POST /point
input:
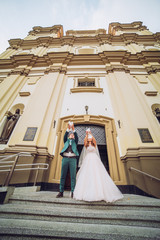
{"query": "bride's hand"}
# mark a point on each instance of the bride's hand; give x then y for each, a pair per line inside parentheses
(73, 127)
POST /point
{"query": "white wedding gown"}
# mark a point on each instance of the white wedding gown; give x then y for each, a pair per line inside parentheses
(93, 183)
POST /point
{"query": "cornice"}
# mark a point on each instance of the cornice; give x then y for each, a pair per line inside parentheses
(141, 152)
(67, 58)
(58, 29)
(87, 32)
(152, 69)
(98, 39)
(116, 26)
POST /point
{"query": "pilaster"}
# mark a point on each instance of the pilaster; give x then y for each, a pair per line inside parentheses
(10, 87)
(130, 110)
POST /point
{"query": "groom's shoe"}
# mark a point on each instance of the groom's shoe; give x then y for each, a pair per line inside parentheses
(59, 195)
(71, 194)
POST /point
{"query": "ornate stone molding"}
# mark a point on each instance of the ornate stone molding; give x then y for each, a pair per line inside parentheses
(119, 68)
(152, 69)
(24, 72)
(141, 152)
(57, 29)
(86, 89)
(102, 58)
(36, 150)
(60, 69)
(100, 38)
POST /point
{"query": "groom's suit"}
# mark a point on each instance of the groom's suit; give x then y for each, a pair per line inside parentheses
(69, 154)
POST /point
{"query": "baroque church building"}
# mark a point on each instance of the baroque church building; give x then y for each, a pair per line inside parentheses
(108, 81)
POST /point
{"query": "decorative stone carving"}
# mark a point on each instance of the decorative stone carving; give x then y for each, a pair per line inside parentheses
(19, 72)
(9, 126)
(60, 69)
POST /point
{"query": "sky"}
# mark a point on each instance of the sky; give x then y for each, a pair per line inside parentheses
(18, 17)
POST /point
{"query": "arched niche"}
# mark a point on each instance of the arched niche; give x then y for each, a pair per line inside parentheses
(156, 111)
(19, 106)
(9, 122)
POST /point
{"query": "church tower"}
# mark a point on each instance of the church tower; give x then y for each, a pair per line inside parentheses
(108, 81)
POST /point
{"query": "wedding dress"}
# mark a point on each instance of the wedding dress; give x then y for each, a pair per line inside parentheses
(93, 183)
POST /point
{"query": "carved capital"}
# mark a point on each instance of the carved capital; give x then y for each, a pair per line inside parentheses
(60, 69)
(153, 69)
(113, 68)
(20, 72)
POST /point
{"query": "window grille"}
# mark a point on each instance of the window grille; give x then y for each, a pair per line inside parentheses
(86, 82)
(97, 131)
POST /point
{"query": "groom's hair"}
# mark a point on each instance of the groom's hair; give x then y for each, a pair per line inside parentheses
(70, 132)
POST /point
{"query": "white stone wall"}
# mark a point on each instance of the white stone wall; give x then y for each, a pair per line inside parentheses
(98, 103)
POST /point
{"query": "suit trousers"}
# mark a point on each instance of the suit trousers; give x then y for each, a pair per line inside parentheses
(70, 163)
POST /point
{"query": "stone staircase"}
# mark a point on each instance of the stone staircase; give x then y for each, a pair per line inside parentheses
(40, 215)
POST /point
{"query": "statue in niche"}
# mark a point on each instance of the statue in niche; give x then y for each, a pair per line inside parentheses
(9, 126)
(157, 113)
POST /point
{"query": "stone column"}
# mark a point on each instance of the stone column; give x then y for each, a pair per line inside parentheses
(41, 112)
(130, 109)
(10, 87)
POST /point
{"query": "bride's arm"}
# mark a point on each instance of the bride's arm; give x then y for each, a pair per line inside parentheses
(85, 141)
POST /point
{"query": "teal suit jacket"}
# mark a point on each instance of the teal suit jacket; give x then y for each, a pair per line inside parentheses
(74, 143)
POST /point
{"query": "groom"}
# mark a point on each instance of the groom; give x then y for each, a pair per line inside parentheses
(69, 154)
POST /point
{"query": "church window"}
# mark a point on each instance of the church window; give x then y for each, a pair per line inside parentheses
(86, 82)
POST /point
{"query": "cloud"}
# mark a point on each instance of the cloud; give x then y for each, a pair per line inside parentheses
(17, 17)
(125, 11)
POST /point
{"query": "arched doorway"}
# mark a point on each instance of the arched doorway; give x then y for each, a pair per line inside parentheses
(99, 134)
(109, 152)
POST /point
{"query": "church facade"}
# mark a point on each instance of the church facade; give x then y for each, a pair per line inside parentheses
(108, 81)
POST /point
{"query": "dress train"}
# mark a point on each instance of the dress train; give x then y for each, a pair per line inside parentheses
(93, 183)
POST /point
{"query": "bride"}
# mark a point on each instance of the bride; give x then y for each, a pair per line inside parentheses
(93, 183)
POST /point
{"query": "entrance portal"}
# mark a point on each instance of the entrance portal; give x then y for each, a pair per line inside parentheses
(99, 134)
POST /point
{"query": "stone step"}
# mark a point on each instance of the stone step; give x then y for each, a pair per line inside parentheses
(35, 229)
(90, 215)
(130, 202)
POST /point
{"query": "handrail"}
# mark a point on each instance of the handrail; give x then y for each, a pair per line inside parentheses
(14, 155)
(146, 174)
(14, 167)
(26, 164)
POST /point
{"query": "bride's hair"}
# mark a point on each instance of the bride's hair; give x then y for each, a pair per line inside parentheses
(86, 142)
